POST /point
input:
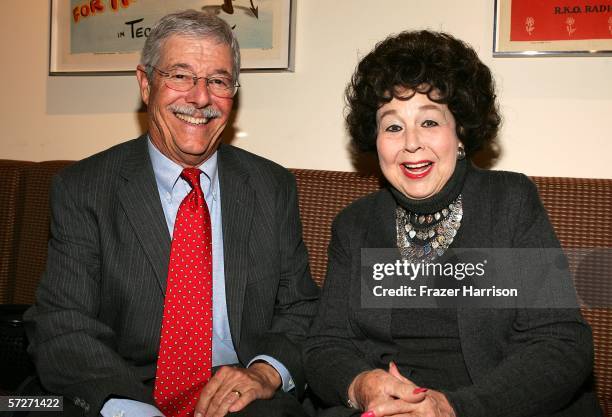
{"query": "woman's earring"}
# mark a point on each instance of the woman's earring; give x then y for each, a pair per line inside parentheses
(460, 153)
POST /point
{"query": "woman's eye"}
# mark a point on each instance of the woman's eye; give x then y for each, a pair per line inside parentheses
(429, 123)
(393, 128)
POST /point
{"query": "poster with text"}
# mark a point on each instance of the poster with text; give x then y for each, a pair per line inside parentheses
(108, 35)
(554, 27)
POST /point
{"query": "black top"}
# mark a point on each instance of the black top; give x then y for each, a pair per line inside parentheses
(429, 348)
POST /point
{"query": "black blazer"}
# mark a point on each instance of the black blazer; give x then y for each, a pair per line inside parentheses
(95, 327)
(527, 362)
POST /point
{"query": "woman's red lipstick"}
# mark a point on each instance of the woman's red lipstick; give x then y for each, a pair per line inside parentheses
(417, 169)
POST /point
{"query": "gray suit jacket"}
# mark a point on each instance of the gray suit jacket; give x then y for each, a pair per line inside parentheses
(522, 362)
(95, 327)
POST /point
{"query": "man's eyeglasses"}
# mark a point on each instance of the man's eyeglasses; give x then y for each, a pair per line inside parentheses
(183, 80)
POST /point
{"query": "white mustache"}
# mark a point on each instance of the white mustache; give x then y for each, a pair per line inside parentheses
(209, 112)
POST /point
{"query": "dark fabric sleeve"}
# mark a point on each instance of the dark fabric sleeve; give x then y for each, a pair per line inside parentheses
(72, 350)
(332, 361)
(549, 353)
(297, 294)
(548, 358)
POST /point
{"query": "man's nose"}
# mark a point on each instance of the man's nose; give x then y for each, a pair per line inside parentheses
(199, 95)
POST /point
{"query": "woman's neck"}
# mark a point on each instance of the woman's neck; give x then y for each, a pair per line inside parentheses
(440, 200)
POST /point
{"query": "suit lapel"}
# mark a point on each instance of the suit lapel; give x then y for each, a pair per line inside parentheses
(380, 233)
(237, 201)
(140, 200)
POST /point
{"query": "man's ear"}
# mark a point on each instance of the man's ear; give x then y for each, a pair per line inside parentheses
(143, 83)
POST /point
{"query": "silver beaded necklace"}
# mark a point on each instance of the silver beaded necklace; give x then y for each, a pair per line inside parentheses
(425, 237)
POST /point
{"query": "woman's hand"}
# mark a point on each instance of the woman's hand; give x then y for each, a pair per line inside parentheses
(435, 404)
(383, 392)
(399, 398)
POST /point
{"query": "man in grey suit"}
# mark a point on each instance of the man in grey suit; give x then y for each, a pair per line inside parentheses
(95, 327)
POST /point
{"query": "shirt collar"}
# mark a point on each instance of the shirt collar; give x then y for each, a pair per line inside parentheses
(168, 172)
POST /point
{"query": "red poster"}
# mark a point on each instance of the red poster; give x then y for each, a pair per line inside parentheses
(560, 20)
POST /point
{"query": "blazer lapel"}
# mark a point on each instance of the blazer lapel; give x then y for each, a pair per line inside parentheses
(381, 222)
(380, 233)
(140, 200)
(237, 200)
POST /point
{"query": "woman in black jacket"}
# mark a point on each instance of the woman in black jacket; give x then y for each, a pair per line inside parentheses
(425, 103)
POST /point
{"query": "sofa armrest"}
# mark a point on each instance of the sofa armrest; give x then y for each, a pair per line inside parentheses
(14, 360)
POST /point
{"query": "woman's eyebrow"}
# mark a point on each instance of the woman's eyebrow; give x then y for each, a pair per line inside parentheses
(387, 112)
(431, 107)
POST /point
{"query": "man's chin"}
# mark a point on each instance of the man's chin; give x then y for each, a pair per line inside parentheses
(198, 153)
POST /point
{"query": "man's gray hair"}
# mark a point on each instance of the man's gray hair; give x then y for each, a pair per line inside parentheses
(190, 24)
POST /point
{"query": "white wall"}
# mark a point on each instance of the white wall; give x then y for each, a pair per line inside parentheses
(557, 111)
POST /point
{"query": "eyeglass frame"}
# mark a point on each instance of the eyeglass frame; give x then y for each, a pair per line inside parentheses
(195, 79)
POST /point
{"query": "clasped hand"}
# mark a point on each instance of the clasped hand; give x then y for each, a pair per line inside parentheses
(389, 394)
(231, 389)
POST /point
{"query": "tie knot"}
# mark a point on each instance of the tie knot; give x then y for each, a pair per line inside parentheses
(192, 176)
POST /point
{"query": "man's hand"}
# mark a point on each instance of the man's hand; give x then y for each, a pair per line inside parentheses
(231, 389)
(385, 393)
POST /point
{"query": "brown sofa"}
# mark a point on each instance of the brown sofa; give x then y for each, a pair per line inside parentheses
(579, 210)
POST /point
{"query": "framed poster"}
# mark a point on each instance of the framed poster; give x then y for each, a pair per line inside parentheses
(106, 36)
(552, 27)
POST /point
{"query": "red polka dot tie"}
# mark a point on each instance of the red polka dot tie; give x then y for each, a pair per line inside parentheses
(185, 351)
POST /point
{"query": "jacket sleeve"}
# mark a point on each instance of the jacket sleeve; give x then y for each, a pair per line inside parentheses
(296, 295)
(331, 359)
(73, 351)
(549, 351)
